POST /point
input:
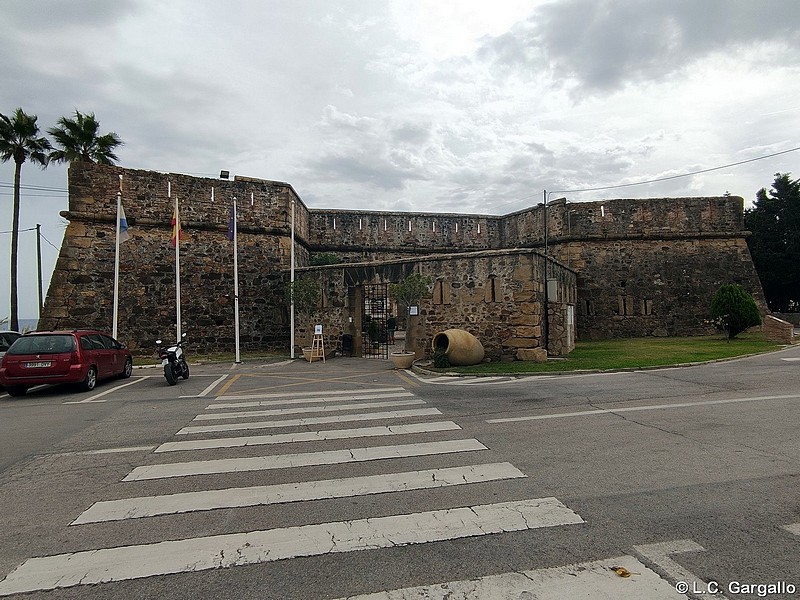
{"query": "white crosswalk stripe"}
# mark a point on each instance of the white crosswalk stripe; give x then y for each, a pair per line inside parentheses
(286, 461)
(126, 562)
(794, 528)
(324, 394)
(316, 399)
(463, 380)
(245, 414)
(210, 552)
(379, 416)
(307, 436)
(133, 508)
(596, 580)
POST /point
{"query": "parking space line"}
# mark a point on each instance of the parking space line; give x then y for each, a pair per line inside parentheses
(209, 388)
(228, 385)
(106, 392)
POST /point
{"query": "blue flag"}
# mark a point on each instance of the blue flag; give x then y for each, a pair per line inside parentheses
(124, 236)
(231, 225)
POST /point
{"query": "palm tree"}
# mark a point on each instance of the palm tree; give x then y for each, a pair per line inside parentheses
(78, 140)
(20, 141)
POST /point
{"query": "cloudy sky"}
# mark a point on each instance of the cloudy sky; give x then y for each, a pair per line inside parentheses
(430, 105)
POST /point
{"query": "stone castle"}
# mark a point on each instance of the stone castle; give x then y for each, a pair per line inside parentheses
(536, 278)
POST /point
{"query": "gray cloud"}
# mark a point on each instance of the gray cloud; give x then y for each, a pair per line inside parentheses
(604, 44)
(36, 15)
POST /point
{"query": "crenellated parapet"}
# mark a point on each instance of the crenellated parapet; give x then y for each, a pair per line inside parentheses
(644, 266)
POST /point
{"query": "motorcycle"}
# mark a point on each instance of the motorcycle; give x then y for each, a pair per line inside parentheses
(173, 360)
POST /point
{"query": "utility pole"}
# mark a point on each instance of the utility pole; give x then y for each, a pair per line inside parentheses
(39, 259)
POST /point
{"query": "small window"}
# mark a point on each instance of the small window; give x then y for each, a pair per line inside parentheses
(647, 307)
(441, 292)
(492, 291)
(625, 305)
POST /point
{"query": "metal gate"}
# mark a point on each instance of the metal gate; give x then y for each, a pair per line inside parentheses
(373, 321)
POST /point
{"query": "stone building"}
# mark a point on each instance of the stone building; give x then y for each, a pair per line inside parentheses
(616, 268)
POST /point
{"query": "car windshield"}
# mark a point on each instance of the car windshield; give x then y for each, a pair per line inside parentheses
(43, 344)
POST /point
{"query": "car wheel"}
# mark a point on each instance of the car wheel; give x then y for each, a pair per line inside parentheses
(128, 369)
(87, 385)
(16, 390)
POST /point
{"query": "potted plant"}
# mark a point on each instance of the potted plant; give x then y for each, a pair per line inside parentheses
(305, 293)
(408, 293)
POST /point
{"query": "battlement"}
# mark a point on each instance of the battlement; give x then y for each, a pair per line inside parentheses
(644, 266)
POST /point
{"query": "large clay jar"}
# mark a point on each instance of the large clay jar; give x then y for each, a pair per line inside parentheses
(461, 347)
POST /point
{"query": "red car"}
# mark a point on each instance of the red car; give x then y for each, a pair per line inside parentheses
(81, 356)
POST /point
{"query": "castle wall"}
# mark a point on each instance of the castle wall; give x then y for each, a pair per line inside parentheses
(357, 236)
(498, 296)
(81, 290)
(645, 267)
(663, 287)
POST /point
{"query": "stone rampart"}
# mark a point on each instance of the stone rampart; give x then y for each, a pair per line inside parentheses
(81, 290)
(498, 296)
(645, 267)
(779, 330)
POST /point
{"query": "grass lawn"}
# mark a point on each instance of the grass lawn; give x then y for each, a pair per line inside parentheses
(634, 353)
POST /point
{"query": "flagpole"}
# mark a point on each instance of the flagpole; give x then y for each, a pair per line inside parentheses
(291, 279)
(116, 263)
(236, 280)
(177, 271)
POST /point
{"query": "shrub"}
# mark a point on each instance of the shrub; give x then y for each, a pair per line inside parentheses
(440, 360)
(324, 258)
(733, 310)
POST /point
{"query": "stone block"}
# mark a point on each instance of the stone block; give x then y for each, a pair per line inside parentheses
(538, 355)
(517, 342)
(528, 332)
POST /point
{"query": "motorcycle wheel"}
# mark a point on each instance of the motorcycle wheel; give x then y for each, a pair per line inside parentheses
(185, 367)
(169, 375)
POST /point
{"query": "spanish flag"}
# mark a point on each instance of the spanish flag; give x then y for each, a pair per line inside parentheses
(177, 232)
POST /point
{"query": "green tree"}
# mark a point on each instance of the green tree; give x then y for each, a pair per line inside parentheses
(305, 293)
(79, 140)
(733, 310)
(410, 291)
(20, 141)
(324, 258)
(774, 244)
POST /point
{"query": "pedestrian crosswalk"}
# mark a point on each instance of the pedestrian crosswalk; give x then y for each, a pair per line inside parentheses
(196, 456)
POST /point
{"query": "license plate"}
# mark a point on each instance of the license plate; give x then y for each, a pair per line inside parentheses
(164, 361)
(36, 365)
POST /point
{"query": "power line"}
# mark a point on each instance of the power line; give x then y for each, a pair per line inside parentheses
(38, 188)
(49, 242)
(623, 185)
(40, 234)
(28, 229)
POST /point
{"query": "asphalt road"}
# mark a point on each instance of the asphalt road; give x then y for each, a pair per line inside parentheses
(687, 475)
